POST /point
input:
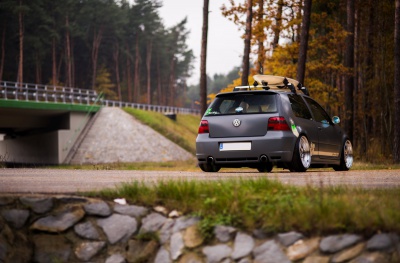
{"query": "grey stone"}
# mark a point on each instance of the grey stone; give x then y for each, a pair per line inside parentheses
(98, 209)
(86, 250)
(86, 230)
(302, 248)
(260, 234)
(193, 237)
(38, 205)
(163, 256)
(115, 258)
(216, 253)
(374, 257)
(191, 257)
(118, 227)
(61, 221)
(51, 248)
(184, 222)
(6, 200)
(152, 223)
(289, 238)
(131, 210)
(16, 217)
(382, 242)
(224, 233)
(141, 251)
(243, 246)
(348, 254)
(269, 252)
(333, 244)
(3, 250)
(177, 245)
(245, 260)
(166, 231)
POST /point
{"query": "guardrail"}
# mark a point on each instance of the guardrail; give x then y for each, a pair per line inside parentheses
(57, 94)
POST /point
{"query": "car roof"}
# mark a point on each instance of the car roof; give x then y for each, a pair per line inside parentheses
(274, 83)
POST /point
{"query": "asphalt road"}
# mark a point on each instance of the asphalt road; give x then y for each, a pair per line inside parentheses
(55, 181)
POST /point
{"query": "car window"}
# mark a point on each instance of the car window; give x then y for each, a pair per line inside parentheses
(299, 107)
(247, 103)
(319, 113)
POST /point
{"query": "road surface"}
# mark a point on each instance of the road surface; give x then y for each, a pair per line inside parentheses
(71, 181)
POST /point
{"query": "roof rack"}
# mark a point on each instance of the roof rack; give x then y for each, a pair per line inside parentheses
(277, 83)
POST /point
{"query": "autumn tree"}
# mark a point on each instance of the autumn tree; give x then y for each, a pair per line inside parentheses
(203, 59)
(305, 27)
(247, 42)
(396, 141)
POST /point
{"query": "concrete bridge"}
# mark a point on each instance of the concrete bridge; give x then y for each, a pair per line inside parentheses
(42, 124)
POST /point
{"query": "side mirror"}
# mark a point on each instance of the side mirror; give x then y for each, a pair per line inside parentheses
(336, 120)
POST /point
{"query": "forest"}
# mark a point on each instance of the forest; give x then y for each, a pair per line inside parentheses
(124, 50)
(114, 47)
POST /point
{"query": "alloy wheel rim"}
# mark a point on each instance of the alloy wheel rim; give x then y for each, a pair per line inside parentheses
(304, 150)
(348, 154)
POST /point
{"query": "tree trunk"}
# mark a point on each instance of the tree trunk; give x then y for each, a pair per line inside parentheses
(172, 82)
(260, 38)
(278, 24)
(3, 51)
(148, 67)
(128, 73)
(38, 69)
(247, 44)
(349, 63)
(95, 53)
(21, 45)
(136, 82)
(301, 66)
(54, 62)
(203, 60)
(117, 79)
(68, 50)
(396, 143)
(159, 90)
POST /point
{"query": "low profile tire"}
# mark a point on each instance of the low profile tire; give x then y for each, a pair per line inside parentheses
(346, 157)
(209, 168)
(301, 160)
(265, 168)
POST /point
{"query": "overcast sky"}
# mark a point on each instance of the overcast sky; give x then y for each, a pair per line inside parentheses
(225, 44)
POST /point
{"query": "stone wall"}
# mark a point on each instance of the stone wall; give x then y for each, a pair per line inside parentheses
(78, 229)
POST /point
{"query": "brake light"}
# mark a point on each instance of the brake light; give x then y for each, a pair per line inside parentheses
(278, 124)
(203, 128)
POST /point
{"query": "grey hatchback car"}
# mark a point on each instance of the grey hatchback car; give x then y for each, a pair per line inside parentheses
(271, 123)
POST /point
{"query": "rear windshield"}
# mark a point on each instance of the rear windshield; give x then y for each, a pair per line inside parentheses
(242, 104)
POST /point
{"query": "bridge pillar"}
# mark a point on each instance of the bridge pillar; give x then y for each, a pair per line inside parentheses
(44, 147)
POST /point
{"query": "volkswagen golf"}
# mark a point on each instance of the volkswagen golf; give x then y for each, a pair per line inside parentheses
(274, 122)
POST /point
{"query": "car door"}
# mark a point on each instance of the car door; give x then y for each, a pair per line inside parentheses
(304, 121)
(329, 135)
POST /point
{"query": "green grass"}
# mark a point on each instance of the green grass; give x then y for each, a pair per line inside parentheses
(183, 131)
(271, 206)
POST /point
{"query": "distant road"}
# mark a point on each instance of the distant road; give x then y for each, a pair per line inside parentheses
(55, 181)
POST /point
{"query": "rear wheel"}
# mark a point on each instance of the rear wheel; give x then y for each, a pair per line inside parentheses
(209, 168)
(346, 157)
(265, 167)
(301, 160)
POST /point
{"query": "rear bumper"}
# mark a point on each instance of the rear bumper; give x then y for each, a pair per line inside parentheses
(277, 146)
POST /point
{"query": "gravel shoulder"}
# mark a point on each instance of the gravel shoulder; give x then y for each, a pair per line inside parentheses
(116, 136)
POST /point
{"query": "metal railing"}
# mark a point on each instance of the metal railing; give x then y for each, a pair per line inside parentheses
(57, 94)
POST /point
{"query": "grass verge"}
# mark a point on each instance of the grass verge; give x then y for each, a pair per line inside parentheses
(271, 206)
(183, 131)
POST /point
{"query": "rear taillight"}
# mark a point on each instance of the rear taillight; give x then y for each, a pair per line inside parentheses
(203, 128)
(278, 124)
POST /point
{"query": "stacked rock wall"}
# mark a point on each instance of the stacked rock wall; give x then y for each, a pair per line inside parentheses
(79, 229)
